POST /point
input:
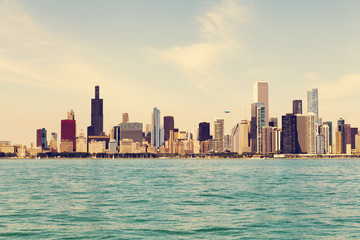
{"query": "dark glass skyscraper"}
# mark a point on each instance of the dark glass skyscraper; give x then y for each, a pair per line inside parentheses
(97, 116)
(168, 126)
(297, 107)
(289, 135)
(41, 138)
(204, 131)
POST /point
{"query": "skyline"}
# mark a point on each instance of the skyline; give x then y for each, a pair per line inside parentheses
(50, 61)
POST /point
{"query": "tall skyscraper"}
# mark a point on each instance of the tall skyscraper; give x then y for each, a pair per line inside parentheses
(125, 118)
(219, 134)
(289, 138)
(325, 131)
(329, 123)
(168, 126)
(340, 137)
(257, 124)
(312, 101)
(97, 117)
(261, 95)
(297, 107)
(41, 138)
(68, 129)
(273, 122)
(155, 134)
(204, 131)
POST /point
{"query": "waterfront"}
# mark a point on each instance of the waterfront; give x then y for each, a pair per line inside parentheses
(179, 199)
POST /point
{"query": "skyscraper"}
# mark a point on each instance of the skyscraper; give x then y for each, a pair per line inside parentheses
(289, 138)
(219, 134)
(261, 95)
(297, 107)
(41, 138)
(204, 131)
(68, 129)
(168, 126)
(155, 134)
(125, 118)
(97, 117)
(312, 101)
(257, 124)
(329, 123)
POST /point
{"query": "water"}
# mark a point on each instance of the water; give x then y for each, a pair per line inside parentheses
(180, 199)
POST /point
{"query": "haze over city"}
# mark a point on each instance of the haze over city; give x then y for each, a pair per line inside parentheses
(192, 60)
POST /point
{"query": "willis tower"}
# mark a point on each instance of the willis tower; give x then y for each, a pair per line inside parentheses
(97, 117)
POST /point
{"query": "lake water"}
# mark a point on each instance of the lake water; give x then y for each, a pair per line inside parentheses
(180, 199)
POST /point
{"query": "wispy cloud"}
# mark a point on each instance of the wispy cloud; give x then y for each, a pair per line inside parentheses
(218, 37)
(345, 87)
(34, 55)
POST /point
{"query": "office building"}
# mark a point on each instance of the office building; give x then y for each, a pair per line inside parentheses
(219, 134)
(354, 131)
(125, 118)
(297, 107)
(41, 138)
(329, 123)
(261, 95)
(257, 124)
(155, 134)
(133, 131)
(204, 131)
(289, 138)
(97, 118)
(325, 131)
(168, 126)
(273, 122)
(312, 101)
(320, 144)
(68, 129)
(81, 143)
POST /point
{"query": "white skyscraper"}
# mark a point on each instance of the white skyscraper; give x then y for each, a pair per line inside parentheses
(261, 95)
(312, 102)
(219, 134)
(155, 133)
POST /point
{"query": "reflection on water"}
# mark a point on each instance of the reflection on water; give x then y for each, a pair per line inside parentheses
(171, 199)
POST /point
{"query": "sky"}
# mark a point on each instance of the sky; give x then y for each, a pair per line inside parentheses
(191, 59)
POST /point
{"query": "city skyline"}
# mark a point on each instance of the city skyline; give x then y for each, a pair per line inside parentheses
(53, 51)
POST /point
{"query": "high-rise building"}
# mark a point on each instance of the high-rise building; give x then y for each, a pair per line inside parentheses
(257, 124)
(354, 131)
(54, 135)
(320, 144)
(329, 123)
(261, 95)
(341, 137)
(348, 139)
(312, 101)
(219, 134)
(325, 131)
(81, 143)
(168, 126)
(227, 142)
(289, 138)
(97, 118)
(273, 122)
(302, 132)
(297, 107)
(204, 131)
(155, 134)
(125, 118)
(41, 138)
(68, 129)
(133, 131)
(311, 133)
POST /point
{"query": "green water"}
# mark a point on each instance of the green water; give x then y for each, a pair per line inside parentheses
(180, 199)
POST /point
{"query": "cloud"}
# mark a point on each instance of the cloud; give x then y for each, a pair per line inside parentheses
(345, 87)
(34, 55)
(218, 37)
